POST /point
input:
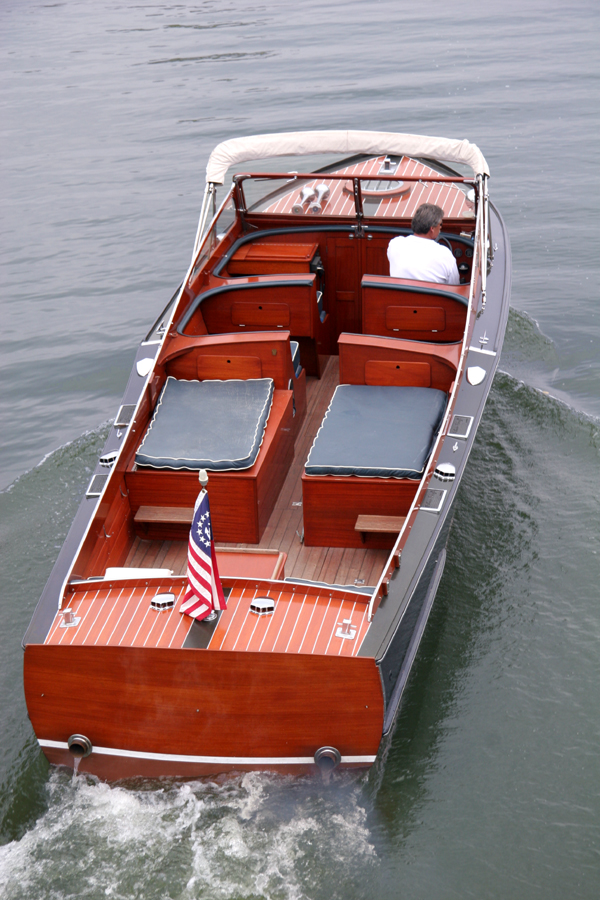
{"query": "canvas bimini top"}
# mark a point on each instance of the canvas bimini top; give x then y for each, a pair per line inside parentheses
(304, 143)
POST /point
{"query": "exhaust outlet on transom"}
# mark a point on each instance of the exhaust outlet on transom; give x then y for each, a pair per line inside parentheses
(79, 746)
(327, 759)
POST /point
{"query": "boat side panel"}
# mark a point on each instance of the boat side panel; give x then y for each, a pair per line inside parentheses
(204, 703)
(395, 653)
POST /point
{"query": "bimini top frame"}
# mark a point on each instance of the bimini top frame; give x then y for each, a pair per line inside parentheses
(344, 143)
(375, 143)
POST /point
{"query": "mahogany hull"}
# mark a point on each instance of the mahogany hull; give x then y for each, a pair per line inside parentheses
(196, 712)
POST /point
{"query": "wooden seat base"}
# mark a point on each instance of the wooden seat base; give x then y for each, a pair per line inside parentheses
(241, 502)
(333, 504)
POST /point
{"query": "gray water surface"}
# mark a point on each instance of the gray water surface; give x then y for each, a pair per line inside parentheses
(489, 785)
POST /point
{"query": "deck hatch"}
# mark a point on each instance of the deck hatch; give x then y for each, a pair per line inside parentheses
(461, 427)
(433, 500)
(96, 485)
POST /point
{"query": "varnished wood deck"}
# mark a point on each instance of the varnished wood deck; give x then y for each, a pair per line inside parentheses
(334, 565)
(121, 616)
(341, 202)
(306, 619)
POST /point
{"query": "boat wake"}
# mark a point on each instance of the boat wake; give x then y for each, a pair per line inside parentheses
(250, 836)
(532, 358)
(78, 457)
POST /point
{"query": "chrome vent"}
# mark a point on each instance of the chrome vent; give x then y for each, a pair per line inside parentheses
(445, 472)
(262, 606)
(163, 601)
(389, 166)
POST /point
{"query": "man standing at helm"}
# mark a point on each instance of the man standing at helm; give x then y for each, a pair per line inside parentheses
(419, 256)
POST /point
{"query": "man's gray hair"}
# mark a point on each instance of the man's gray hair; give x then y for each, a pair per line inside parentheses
(427, 216)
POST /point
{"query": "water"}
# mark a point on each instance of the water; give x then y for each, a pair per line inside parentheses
(489, 785)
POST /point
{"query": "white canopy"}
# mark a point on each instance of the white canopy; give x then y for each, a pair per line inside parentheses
(302, 143)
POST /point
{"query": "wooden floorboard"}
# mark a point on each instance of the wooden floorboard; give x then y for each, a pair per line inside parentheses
(333, 565)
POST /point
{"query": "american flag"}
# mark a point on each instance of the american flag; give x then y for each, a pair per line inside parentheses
(204, 592)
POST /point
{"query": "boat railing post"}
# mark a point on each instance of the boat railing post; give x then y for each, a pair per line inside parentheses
(485, 243)
(488, 219)
(209, 194)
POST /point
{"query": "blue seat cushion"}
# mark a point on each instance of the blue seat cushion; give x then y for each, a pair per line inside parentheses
(215, 425)
(377, 431)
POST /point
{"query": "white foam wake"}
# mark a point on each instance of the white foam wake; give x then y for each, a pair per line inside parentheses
(251, 836)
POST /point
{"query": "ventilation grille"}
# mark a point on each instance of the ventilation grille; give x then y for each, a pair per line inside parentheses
(461, 426)
(96, 486)
(433, 500)
(124, 415)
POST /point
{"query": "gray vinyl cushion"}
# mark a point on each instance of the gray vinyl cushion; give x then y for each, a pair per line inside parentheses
(377, 431)
(215, 425)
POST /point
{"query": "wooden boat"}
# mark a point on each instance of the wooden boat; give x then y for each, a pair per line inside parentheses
(331, 538)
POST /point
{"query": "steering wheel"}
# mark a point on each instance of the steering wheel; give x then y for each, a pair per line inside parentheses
(446, 242)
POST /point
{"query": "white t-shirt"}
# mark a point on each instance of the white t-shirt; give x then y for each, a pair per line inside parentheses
(422, 259)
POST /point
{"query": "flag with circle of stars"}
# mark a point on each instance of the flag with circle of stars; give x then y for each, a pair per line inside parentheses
(204, 591)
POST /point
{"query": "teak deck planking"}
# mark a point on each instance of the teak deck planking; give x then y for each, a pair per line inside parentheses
(341, 202)
(306, 619)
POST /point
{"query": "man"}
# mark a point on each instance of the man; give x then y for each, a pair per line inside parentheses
(419, 255)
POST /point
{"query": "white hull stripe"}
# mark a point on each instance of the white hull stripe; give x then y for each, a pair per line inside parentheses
(218, 760)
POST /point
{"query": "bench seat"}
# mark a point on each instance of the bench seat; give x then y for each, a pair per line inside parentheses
(241, 502)
(414, 310)
(378, 431)
(378, 440)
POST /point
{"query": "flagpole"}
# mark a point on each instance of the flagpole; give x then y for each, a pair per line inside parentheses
(204, 597)
(203, 479)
